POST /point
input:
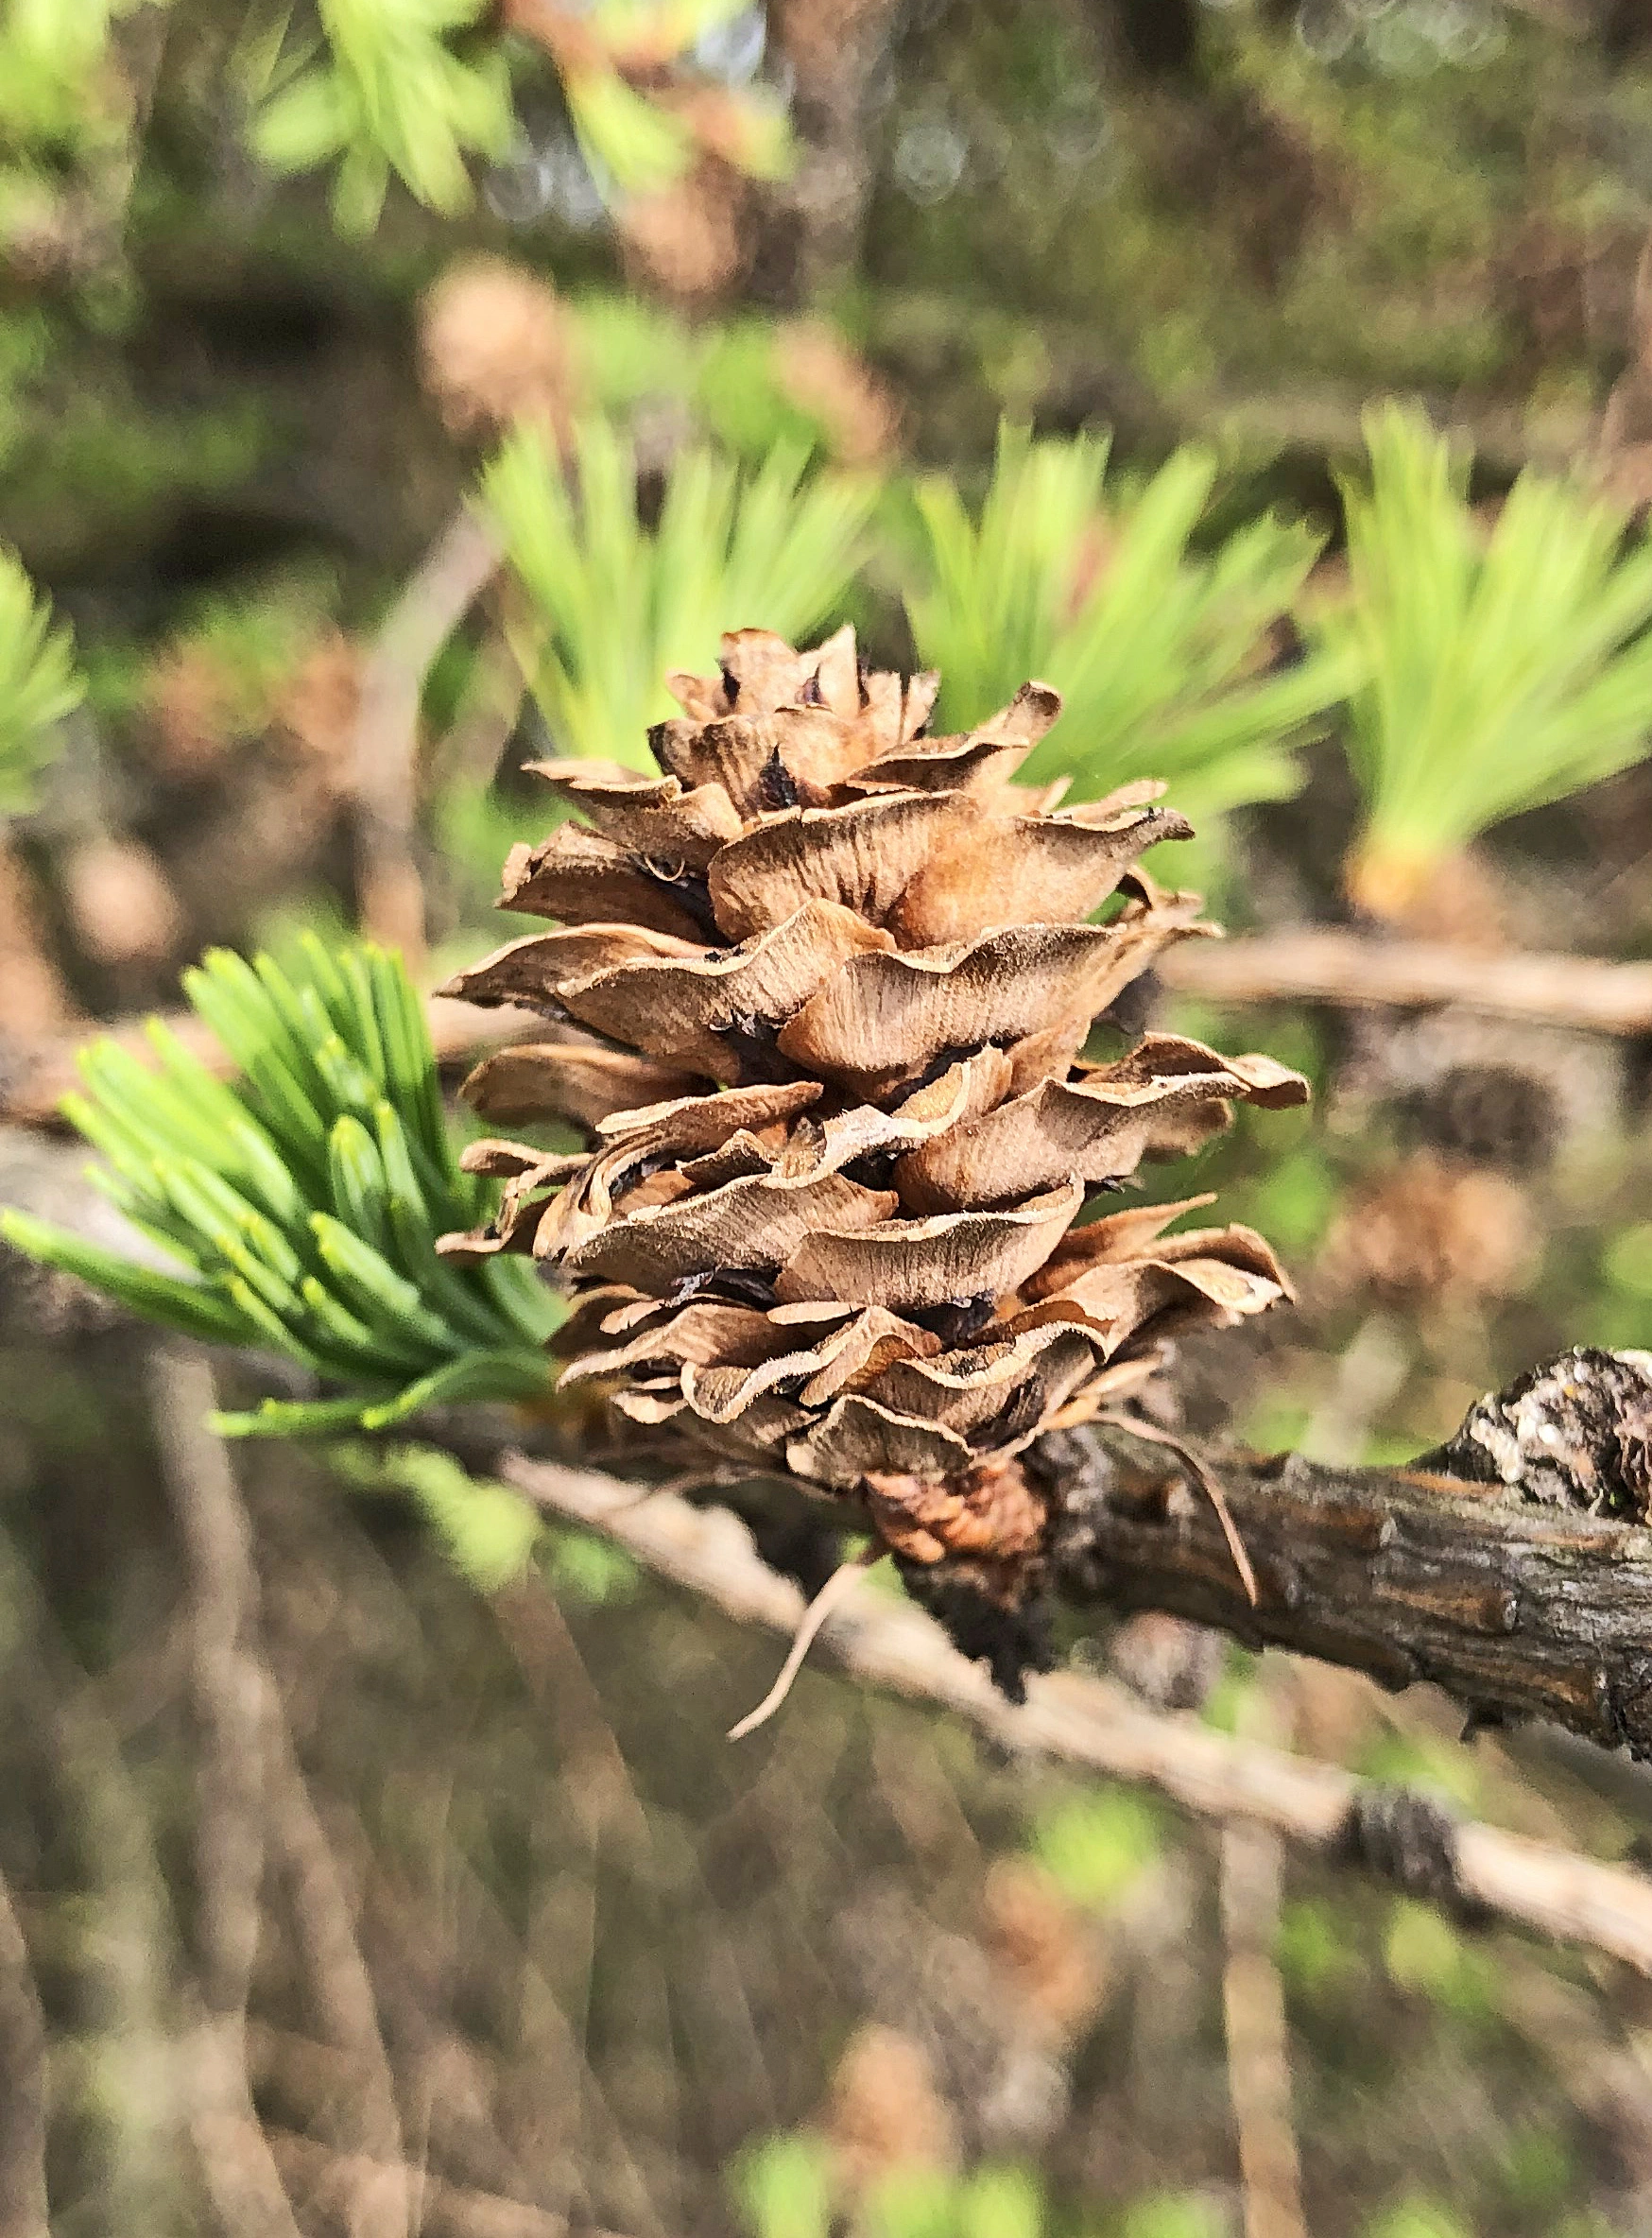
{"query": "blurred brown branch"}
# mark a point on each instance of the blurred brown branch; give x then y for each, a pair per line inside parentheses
(234, 1702)
(1314, 963)
(442, 590)
(1094, 1724)
(1310, 963)
(39, 1073)
(325, 2178)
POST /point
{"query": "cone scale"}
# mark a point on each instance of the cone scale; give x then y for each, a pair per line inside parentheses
(818, 994)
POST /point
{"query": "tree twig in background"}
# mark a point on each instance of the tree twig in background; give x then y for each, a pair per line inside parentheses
(391, 894)
(39, 1073)
(1253, 2007)
(1093, 1724)
(23, 2086)
(1259, 2044)
(1309, 964)
(1324, 964)
(328, 2178)
(233, 1702)
(341, 1990)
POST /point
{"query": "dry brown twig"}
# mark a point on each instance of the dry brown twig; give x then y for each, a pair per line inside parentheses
(329, 2178)
(340, 1988)
(452, 577)
(1325, 964)
(233, 1702)
(1253, 2007)
(1308, 964)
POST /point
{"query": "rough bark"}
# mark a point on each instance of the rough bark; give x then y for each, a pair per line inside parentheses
(1516, 1609)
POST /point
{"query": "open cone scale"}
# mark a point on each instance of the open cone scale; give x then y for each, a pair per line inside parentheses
(818, 995)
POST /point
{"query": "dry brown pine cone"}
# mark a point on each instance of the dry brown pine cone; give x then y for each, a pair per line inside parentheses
(820, 991)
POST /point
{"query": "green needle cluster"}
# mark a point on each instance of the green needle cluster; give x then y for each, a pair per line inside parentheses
(1503, 664)
(301, 1201)
(1162, 652)
(38, 685)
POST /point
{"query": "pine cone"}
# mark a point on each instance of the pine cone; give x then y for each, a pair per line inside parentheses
(833, 977)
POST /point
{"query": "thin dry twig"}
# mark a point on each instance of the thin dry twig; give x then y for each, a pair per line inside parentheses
(1091, 1723)
(385, 752)
(339, 1984)
(114, 2071)
(815, 1615)
(332, 2179)
(1209, 1483)
(1323, 964)
(233, 1697)
(1259, 2041)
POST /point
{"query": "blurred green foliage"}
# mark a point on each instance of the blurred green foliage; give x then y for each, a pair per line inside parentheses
(726, 375)
(1425, 1953)
(1418, 2218)
(1161, 653)
(38, 685)
(488, 1532)
(419, 91)
(380, 92)
(783, 2186)
(1096, 1845)
(1171, 2214)
(1501, 665)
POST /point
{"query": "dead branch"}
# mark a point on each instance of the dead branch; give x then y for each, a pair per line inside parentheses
(330, 2180)
(1517, 1610)
(1253, 2007)
(1094, 1724)
(234, 1701)
(40, 1072)
(385, 747)
(340, 1988)
(1309, 964)
(1324, 964)
(1254, 2017)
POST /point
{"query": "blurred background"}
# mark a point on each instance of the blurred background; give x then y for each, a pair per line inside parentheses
(389, 392)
